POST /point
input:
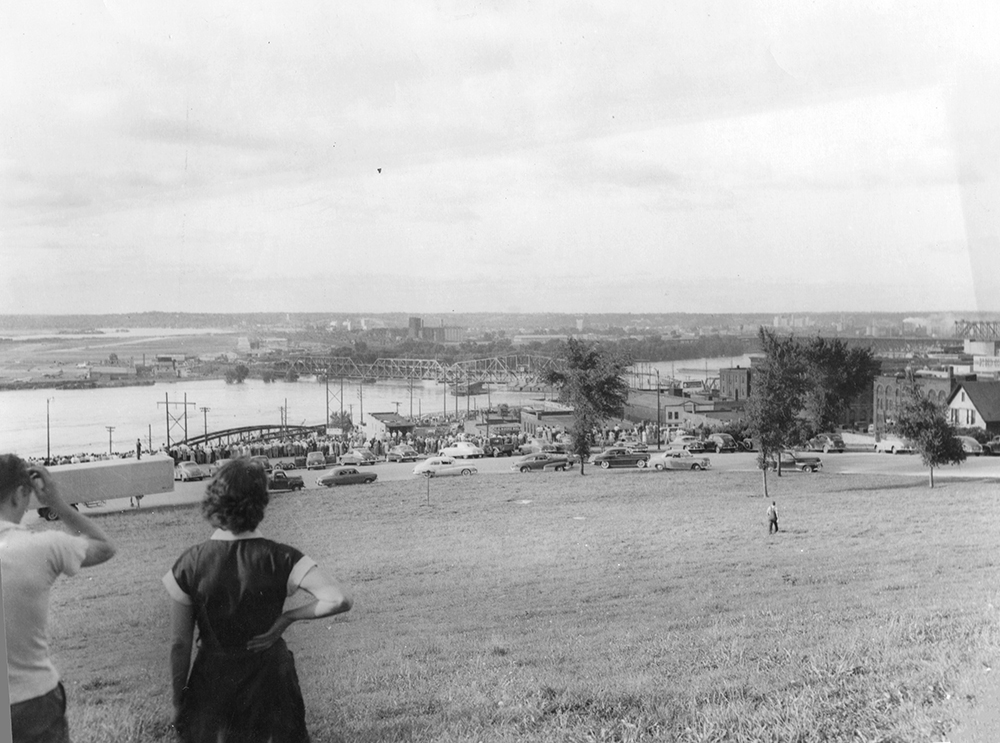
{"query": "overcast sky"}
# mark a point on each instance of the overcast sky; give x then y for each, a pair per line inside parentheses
(473, 156)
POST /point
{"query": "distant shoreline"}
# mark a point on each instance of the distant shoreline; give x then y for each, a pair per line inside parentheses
(76, 384)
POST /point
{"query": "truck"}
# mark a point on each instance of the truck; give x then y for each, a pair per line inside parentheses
(281, 480)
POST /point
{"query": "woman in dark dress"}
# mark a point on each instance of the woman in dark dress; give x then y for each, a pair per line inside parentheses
(242, 687)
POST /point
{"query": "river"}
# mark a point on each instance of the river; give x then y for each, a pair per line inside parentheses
(78, 420)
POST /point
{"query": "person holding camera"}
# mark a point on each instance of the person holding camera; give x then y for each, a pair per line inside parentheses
(31, 562)
(243, 685)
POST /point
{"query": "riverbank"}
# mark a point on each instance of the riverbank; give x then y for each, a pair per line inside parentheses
(74, 384)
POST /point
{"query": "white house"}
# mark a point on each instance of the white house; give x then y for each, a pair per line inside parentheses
(975, 405)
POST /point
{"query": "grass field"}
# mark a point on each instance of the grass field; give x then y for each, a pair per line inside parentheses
(620, 606)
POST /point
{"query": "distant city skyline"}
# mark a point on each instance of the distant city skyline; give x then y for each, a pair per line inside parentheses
(570, 157)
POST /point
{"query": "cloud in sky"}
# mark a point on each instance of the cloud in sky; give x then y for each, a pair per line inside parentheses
(213, 156)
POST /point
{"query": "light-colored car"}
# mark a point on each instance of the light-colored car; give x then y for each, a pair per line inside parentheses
(893, 445)
(679, 459)
(345, 476)
(443, 466)
(462, 450)
(970, 445)
(692, 443)
(185, 471)
(827, 442)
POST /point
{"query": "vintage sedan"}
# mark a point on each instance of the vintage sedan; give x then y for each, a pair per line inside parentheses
(679, 459)
(619, 456)
(462, 450)
(358, 457)
(315, 460)
(692, 443)
(185, 471)
(970, 445)
(723, 442)
(827, 442)
(893, 445)
(544, 460)
(345, 476)
(792, 461)
(402, 453)
(443, 466)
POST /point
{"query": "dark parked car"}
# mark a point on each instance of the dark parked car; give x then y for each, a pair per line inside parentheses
(345, 476)
(498, 446)
(544, 460)
(402, 453)
(279, 480)
(791, 461)
(723, 442)
(619, 456)
(315, 460)
(358, 456)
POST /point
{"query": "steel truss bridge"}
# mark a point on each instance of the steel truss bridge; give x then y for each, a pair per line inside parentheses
(514, 370)
(259, 433)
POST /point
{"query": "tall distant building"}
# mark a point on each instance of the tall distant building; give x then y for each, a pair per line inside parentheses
(415, 328)
(579, 325)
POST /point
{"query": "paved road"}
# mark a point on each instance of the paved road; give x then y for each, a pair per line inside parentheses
(856, 462)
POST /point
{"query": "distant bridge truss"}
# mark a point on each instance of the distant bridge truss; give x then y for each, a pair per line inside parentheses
(977, 330)
(515, 369)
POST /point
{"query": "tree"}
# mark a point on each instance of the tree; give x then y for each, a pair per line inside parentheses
(237, 374)
(593, 384)
(836, 375)
(776, 395)
(922, 422)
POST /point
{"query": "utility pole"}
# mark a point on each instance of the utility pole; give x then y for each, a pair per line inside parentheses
(175, 420)
(657, 410)
(110, 429)
(205, 413)
(48, 437)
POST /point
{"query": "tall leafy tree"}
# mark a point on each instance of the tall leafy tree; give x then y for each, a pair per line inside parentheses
(836, 375)
(776, 397)
(593, 383)
(923, 423)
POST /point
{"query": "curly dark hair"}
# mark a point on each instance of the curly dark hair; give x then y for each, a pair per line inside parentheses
(13, 474)
(236, 497)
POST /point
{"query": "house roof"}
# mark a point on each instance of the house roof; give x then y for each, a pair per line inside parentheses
(985, 396)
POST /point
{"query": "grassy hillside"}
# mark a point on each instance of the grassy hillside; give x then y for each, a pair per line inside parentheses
(618, 608)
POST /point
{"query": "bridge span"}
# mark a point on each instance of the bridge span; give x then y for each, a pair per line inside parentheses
(514, 369)
(267, 432)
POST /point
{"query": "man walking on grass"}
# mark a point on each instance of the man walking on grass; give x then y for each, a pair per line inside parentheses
(32, 560)
(772, 518)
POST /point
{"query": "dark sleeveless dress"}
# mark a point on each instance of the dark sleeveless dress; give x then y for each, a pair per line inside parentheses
(238, 589)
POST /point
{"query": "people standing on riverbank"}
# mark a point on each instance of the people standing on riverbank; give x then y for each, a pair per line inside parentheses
(32, 562)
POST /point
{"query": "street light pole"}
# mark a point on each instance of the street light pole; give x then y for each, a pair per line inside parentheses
(205, 413)
(110, 429)
(48, 437)
(657, 410)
